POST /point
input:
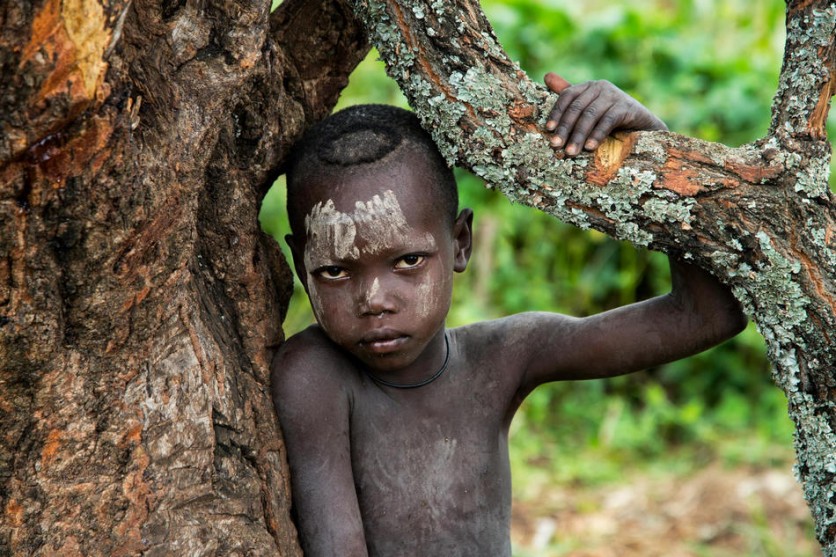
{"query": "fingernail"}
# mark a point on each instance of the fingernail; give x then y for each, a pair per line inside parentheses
(556, 141)
(591, 145)
(571, 150)
(550, 125)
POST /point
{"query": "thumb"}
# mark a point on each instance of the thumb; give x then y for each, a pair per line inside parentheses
(556, 83)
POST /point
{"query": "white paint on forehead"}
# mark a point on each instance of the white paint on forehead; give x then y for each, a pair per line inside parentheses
(382, 220)
(332, 234)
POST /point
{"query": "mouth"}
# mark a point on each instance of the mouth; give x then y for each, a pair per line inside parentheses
(383, 341)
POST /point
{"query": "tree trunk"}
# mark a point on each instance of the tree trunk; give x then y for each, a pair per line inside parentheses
(760, 217)
(139, 302)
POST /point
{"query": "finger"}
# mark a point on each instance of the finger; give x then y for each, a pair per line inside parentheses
(595, 123)
(579, 111)
(604, 127)
(608, 123)
(567, 97)
(556, 83)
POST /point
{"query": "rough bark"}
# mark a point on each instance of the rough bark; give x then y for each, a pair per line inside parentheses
(760, 217)
(139, 302)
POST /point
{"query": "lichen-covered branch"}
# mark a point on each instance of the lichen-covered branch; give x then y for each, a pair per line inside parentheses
(808, 77)
(760, 216)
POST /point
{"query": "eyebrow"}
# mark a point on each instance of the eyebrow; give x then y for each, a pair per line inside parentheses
(423, 243)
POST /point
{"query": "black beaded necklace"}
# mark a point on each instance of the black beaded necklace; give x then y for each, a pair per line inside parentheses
(427, 381)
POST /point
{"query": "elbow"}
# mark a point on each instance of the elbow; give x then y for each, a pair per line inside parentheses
(716, 325)
(738, 322)
(736, 318)
(731, 322)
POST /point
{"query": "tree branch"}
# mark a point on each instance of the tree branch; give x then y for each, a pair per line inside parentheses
(808, 76)
(486, 115)
(759, 216)
(321, 56)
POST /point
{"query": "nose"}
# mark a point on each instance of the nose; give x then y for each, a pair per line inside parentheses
(375, 299)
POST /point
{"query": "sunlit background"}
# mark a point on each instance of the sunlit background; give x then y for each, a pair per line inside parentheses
(691, 458)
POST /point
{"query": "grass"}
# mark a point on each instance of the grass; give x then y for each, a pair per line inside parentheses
(690, 501)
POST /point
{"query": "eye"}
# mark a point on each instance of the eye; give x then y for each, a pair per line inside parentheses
(409, 261)
(331, 272)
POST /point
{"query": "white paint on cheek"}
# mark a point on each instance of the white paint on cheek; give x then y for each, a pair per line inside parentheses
(427, 297)
(327, 317)
(330, 234)
(316, 302)
(433, 292)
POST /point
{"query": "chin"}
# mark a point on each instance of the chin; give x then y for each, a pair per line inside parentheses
(386, 363)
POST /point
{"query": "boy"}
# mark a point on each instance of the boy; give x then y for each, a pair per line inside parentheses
(396, 428)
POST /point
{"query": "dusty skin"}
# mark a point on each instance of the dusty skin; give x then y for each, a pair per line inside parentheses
(425, 471)
(389, 471)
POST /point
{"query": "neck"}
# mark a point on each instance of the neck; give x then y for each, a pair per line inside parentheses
(429, 379)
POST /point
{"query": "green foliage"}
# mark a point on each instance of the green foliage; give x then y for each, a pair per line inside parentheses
(709, 69)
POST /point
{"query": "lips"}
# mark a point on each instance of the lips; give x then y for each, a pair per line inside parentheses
(383, 341)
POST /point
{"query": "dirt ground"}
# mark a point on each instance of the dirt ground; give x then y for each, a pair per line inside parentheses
(715, 512)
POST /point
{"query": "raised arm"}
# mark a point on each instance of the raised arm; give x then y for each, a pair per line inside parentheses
(698, 313)
(313, 408)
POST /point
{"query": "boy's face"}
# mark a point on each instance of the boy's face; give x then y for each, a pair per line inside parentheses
(377, 261)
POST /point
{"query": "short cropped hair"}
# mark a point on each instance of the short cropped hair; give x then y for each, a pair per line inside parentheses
(365, 135)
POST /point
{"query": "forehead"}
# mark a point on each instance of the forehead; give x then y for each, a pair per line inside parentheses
(397, 190)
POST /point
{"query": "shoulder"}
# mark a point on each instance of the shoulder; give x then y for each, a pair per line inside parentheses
(511, 342)
(309, 364)
(520, 328)
(500, 354)
(308, 349)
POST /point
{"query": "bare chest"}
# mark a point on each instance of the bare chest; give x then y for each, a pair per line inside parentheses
(432, 477)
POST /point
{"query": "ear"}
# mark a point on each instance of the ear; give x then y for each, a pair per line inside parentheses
(297, 249)
(462, 240)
